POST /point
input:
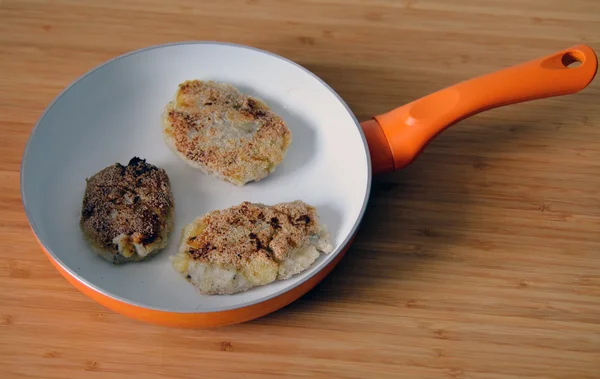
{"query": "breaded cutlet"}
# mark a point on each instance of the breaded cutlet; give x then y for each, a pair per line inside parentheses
(127, 211)
(248, 245)
(215, 128)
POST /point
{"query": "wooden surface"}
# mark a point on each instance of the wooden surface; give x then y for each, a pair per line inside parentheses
(481, 260)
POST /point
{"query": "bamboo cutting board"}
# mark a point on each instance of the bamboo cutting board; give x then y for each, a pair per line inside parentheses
(479, 261)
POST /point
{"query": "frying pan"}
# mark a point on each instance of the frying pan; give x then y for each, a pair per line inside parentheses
(112, 113)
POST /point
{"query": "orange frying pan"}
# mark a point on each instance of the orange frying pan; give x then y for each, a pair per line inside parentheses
(113, 113)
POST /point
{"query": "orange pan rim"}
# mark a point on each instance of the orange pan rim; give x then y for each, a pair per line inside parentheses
(103, 296)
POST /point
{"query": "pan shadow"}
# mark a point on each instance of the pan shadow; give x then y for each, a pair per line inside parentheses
(415, 216)
(302, 149)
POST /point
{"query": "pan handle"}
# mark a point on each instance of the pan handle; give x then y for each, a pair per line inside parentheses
(397, 137)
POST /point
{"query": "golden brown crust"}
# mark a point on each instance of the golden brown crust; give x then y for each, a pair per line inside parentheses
(214, 127)
(134, 201)
(233, 236)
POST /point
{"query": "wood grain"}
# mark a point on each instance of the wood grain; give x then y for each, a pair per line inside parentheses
(480, 261)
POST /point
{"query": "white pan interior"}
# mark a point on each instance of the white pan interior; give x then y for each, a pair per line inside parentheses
(114, 112)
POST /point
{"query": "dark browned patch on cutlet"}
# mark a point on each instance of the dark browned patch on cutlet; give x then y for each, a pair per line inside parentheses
(134, 200)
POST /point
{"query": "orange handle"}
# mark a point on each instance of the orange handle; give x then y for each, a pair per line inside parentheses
(409, 128)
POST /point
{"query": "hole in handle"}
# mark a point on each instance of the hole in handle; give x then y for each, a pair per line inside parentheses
(572, 59)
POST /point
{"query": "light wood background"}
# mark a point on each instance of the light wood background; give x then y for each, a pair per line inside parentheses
(480, 261)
